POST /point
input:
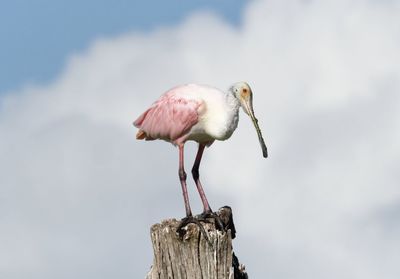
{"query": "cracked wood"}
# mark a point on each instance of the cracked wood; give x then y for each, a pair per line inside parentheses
(192, 256)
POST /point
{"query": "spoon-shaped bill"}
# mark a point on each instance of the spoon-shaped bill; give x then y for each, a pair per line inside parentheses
(246, 101)
(259, 134)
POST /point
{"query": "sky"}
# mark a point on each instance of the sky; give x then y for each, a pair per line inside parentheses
(39, 36)
(78, 193)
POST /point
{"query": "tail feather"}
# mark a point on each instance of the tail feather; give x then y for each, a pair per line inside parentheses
(140, 135)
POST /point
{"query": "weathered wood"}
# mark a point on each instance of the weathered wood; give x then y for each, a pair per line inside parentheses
(192, 256)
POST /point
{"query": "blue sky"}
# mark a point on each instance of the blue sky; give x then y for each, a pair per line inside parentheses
(37, 36)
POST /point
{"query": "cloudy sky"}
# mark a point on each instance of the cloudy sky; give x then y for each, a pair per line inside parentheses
(78, 193)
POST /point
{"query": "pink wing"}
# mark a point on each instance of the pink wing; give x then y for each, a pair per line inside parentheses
(169, 118)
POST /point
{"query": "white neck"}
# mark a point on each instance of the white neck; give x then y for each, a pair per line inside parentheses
(232, 101)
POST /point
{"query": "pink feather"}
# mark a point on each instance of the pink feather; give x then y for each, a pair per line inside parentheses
(169, 118)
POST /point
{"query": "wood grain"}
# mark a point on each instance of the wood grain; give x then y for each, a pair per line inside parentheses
(192, 256)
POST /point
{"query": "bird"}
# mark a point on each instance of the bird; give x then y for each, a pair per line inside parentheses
(199, 113)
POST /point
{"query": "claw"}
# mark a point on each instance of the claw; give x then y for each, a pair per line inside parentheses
(212, 215)
(190, 219)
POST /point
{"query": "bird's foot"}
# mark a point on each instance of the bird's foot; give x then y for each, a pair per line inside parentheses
(192, 220)
(219, 225)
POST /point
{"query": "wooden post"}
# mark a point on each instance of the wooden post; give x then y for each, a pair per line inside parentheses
(192, 256)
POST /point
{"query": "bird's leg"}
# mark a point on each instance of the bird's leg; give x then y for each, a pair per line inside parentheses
(189, 217)
(207, 212)
(196, 177)
(182, 178)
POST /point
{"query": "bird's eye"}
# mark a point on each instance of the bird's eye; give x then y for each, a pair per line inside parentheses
(245, 93)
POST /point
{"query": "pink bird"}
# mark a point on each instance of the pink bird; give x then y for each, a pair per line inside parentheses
(198, 113)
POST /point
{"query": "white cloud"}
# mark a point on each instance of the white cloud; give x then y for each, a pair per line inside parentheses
(78, 193)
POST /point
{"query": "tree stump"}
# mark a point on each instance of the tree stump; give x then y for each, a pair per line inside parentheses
(194, 255)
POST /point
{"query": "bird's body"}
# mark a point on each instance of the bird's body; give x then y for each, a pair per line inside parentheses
(198, 113)
(190, 112)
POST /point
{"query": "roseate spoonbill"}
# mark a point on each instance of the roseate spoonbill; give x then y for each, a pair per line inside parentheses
(198, 113)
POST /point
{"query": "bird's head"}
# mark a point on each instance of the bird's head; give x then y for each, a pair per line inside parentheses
(243, 93)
